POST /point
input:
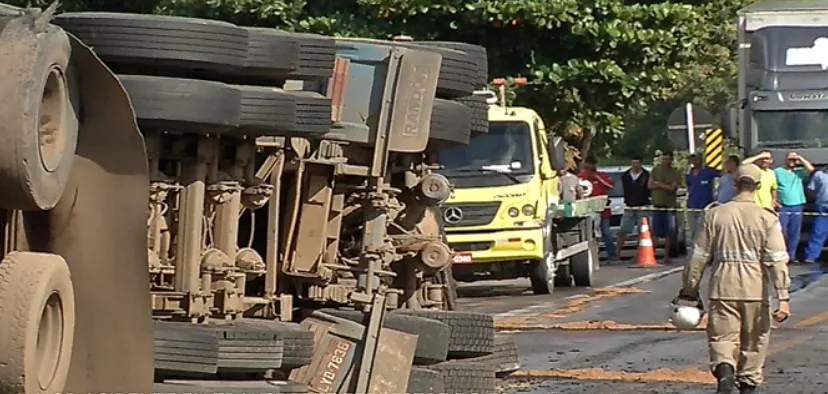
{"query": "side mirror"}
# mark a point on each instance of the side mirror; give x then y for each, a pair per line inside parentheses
(557, 153)
(729, 121)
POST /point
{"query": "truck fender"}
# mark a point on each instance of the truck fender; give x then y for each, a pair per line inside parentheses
(99, 227)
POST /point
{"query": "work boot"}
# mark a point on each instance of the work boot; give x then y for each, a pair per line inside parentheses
(745, 388)
(725, 375)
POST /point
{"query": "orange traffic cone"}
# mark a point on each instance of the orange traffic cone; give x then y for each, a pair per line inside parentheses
(646, 252)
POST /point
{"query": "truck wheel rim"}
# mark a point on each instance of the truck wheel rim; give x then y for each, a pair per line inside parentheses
(49, 340)
(549, 256)
(51, 114)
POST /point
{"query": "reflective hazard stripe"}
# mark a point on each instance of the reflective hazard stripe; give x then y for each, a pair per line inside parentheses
(646, 242)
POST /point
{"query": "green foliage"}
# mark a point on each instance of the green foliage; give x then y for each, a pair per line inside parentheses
(603, 73)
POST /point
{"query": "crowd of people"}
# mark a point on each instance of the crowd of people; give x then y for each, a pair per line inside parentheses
(654, 194)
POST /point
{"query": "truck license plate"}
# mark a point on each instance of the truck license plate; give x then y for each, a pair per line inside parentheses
(461, 258)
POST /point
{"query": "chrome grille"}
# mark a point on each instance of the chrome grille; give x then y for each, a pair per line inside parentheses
(470, 214)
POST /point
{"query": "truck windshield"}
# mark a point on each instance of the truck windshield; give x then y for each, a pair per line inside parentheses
(507, 148)
(801, 129)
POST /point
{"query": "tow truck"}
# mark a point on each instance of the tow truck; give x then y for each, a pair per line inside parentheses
(504, 218)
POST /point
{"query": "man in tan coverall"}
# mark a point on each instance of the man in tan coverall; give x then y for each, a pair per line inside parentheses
(743, 244)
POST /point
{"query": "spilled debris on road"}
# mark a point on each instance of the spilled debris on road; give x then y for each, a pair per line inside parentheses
(690, 375)
(597, 325)
(573, 306)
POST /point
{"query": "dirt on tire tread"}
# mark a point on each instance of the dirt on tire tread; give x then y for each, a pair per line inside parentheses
(472, 333)
(466, 377)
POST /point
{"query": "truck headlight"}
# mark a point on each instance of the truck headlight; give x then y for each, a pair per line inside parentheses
(513, 212)
(528, 210)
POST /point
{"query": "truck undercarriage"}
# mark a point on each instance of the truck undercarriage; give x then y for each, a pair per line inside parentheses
(286, 176)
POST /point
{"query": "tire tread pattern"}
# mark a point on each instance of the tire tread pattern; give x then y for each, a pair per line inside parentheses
(467, 377)
(472, 333)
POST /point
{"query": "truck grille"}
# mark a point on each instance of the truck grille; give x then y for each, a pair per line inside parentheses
(471, 246)
(469, 214)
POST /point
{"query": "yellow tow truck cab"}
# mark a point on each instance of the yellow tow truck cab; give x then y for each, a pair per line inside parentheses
(505, 218)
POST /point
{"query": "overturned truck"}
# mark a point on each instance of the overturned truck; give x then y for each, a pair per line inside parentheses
(288, 176)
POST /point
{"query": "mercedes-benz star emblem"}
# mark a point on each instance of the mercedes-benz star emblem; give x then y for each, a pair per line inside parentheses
(453, 215)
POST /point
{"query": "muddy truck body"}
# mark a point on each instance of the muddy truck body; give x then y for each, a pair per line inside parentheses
(286, 174)
(782, 87)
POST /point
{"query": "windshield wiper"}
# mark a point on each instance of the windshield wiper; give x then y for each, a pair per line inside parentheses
(511, 177)
(787, 144)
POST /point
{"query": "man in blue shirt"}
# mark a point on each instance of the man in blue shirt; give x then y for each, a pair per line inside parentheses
(819, 185)
(726, 190)
(699, 181)
(790, 196)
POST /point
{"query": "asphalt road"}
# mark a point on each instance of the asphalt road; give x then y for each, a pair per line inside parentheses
(608, 339)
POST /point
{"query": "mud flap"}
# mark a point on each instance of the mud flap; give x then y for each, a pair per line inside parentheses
(99, 227)
(413, 101)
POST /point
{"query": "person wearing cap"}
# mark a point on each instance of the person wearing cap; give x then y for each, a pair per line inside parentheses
(791, 180)
(744, 247)
(766, 194)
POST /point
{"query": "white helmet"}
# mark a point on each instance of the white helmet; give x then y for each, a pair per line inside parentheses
(686, 317)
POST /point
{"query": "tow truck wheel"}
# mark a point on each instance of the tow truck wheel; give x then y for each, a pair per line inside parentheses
(583, 264)
(542, 274)
(37, 322)
(563, 276)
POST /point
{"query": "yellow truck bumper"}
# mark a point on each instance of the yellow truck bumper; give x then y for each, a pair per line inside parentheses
(497, 246)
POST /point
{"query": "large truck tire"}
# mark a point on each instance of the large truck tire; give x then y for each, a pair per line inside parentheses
(479, 113)
(297, 341)
(277, 55)
(450, 123)
(583, 265)
(472, 333)
(505, 357)
(230, 387)
(178, 104)
(243, 349)
(458, 70)
(37, 322)
(159, 41)
(425, 381)
(432, 335)
(267, 111)
(467, 377)
(185, 348)
(476, 53)
(39, 132)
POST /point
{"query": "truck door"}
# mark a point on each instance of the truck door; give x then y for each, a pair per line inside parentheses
(549, 188)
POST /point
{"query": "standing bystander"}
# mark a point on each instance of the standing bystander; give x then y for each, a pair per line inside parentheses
(790, 180)
(819, 229)
(601, 183)
(700, 181)
(570, 190)
(726, 190)
(664, 183)
(766, 194)
(636, 196)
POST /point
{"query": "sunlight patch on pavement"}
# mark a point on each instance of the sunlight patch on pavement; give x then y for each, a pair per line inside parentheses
(573, 306)
(691, 375)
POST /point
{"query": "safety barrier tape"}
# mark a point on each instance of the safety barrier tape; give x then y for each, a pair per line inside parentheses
(683, 209)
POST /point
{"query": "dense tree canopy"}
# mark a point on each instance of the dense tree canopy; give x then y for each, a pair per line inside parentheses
(603, 72)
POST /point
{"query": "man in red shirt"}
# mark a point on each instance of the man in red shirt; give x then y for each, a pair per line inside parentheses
(601, 183)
